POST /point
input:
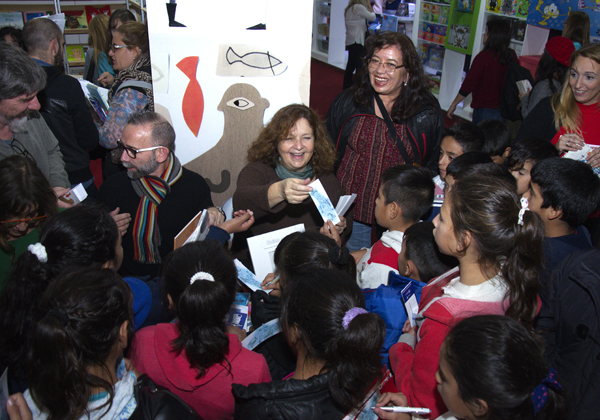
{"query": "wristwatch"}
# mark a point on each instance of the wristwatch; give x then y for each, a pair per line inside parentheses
(222, 212)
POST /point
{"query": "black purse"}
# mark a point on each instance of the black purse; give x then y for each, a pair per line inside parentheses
(158, 403)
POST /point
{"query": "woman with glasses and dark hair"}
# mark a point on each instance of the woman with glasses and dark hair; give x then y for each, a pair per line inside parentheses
(116, 19)
(389, 117)
(131, 90)
(26, 202)
(486, 76)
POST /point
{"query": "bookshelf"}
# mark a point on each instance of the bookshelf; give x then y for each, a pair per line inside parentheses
(76, 36)
(329, 32)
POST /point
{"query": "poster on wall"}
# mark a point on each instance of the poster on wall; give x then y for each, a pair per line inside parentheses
(220, 76)
(552, 14)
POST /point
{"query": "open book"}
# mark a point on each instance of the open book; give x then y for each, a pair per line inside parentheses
(97, 99)
(195, 230)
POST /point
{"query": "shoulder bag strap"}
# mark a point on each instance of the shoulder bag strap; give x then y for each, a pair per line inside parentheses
(392, 130)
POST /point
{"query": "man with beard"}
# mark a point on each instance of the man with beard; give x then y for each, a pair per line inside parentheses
(63, 104)
(161, 195)
(22, 128)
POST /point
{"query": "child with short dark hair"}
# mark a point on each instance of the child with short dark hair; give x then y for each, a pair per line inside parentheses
(405, 194)
(420, 258)
(523, 156)
(457, 140)
(563, 193)
(497, 140)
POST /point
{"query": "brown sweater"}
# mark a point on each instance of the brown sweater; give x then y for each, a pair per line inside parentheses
(252, 193)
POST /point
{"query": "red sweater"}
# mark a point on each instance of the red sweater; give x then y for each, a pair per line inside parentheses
(414, 369)
(210, 395)
(484, 80)
(590, 127)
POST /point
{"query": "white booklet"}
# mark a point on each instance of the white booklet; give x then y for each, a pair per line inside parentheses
(323, 203)
(248, 278)
(344, 203)
(262, 333)
(262, 249)
(581, 155)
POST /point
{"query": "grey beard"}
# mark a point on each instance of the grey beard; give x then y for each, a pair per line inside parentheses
(17, 125)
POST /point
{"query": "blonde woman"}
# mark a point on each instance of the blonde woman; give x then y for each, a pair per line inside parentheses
(357, 13)
(96, 60)
(577, 109)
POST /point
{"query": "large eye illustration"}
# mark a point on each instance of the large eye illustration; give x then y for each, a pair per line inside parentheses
(240, 103)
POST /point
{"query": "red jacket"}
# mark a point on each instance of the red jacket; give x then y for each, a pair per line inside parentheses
(210, 395)
(414, 369)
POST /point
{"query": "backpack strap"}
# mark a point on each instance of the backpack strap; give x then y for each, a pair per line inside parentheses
(139, 84)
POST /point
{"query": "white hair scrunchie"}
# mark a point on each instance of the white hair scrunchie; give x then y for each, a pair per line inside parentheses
(524, 208)
(39, 251)
(202, 275)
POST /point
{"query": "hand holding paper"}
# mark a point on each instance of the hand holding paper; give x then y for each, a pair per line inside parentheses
(247, 277)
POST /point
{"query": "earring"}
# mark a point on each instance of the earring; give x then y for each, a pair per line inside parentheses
(405, 82)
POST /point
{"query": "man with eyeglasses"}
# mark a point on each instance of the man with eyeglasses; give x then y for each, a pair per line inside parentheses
(161, 195)
(63, 104)
(22, 128)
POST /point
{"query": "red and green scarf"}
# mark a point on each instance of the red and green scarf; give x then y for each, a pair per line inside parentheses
(152, 189)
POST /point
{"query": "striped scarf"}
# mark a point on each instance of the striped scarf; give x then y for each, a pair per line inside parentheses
(152, 189)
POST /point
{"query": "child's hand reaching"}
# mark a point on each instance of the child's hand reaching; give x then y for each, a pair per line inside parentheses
(242, 220)
(391, 399)
(407, 329)
(241, 334)
(274, 284)
(332, 231)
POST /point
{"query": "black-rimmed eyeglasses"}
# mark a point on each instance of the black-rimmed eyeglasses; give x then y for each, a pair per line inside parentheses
(131, 152)
(18, 148)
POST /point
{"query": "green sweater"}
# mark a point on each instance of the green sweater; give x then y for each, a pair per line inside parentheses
(20, 245)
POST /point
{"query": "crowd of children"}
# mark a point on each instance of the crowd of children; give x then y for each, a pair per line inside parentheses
(486, 268)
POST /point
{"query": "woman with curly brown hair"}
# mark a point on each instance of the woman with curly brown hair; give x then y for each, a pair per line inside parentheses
(389, 117)
(293, 150)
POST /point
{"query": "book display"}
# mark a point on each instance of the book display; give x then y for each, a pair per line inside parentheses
(462, 25)
(78, 14)
(431, 37)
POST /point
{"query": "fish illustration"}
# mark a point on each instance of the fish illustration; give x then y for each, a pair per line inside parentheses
(248, 61)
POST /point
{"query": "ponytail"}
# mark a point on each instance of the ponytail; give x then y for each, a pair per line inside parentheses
(335, 332)
(81, 236)
(521, 269)
(355, 358)
(20, 296)
(201, 279)
(508, 239)
(82, 314)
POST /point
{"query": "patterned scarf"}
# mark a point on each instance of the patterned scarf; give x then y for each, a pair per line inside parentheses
(152, 190)
(139, 70)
